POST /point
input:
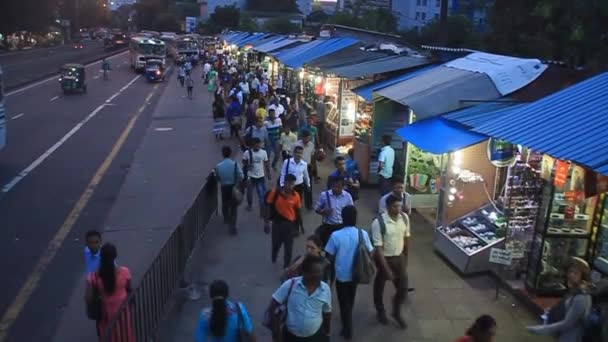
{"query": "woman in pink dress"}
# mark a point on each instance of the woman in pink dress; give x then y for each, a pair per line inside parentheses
(114, 285)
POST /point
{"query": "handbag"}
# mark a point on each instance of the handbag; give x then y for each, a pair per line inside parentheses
(237, 194)
(364, 268)
(94, 306)
(244, 335)
(280, 312)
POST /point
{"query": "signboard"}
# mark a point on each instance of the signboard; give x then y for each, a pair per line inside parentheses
(190, 26)
(561, 173)
(501, 153)
(500, 256)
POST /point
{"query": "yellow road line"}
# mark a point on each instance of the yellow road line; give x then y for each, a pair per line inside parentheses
(33, 280)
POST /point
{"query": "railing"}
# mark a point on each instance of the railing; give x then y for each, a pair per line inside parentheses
(138, 317)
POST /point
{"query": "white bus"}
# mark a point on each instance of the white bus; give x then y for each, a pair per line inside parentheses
(141, 49)
(3, 118)
(187, 49)
(170, 44)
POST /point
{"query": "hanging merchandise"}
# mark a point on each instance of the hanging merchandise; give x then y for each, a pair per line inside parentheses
(547, 167)
(561, 173)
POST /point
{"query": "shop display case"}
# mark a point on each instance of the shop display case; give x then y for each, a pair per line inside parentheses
(563, 230)
(466, 242)
(600, 253)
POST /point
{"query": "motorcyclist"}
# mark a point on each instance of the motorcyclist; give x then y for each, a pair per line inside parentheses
(105, 67)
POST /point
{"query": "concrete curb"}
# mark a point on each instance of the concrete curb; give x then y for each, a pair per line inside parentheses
(85, 61)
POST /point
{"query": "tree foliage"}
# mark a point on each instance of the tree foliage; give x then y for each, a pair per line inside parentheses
(283, 6)
(571, 31)
(280, 25)
(461, 33)
(224, 17)
(30, 15)
(374, 19)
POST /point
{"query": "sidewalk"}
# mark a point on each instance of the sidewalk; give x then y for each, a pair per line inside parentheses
(441, 308)
(168, 171)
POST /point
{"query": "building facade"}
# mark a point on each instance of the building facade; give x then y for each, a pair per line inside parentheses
(115, 4)
(414, 14)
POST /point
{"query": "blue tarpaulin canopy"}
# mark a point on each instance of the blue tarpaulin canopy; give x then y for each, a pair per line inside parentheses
(300, 55)
(438, 135)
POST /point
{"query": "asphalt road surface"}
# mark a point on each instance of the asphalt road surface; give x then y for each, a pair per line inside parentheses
(58, 149)
(23, 67)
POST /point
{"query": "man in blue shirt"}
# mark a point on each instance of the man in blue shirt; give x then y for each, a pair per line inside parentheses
(351, 181)
(341, 249)
(308, 301)
(229, 175)
(330, 206)
(91, 251)
(233, 116)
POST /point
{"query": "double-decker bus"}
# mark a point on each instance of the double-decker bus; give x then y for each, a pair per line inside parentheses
(2, 113)
(141, 49)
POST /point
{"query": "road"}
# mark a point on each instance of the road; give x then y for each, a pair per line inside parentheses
(59, 175)
(23, 67)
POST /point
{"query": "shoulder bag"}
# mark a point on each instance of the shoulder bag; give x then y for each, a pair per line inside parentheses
(280, 313)
(244, 335)
(94, 305)
(237, 194)
(364, 268)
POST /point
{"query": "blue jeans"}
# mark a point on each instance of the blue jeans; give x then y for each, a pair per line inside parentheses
(275, 150)
(260, 188)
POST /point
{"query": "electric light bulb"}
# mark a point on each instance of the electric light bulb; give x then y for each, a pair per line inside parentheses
(451, 198)
(453, 191)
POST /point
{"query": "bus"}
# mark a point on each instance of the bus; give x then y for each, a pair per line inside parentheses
(3, 118)
(187, 48)
(141, 49)
(170, 44)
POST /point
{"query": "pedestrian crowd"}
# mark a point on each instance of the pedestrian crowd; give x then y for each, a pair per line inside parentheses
(280, 136)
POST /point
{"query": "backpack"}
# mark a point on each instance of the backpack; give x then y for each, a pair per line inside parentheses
(364, 268)
(272, 212)
(383, 224)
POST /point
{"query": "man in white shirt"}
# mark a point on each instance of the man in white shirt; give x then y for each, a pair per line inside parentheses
(206, 70)
(287, 142)
(341, 249)
(255, 84)
(278, 108)
(308, 149)
(390, 236)
(256, 162)
(399, 192)
(279, 84)
(263, 88)
(299, 168)
(386, 161)
(329, 206)
(245, 89)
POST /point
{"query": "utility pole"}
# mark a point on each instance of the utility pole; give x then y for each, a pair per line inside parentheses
(443, 23)
(76, 17)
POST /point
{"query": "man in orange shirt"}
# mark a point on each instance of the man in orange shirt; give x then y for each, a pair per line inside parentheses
(283, 210)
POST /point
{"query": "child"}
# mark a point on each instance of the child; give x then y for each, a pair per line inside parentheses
(218, 117)
(91, 251)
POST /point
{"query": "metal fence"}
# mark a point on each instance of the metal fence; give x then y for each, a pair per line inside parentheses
(138, 317)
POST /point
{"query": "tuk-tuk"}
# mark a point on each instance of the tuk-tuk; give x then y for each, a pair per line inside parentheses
(73, 78)
(155, 72)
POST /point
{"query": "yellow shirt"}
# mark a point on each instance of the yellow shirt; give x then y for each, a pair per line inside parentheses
(261, 113)
(396, 232)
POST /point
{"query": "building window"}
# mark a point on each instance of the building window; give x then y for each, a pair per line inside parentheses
(417, 2)
(423, 16)
(436, 16)
(424, 2)
(417, 15)
(437, 3)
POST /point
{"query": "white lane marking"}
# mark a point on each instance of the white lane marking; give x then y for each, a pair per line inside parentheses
(17, 116)
(163, 129)
(122, 89)
(10, 185)
(95, 77)
(54, 98)
(55, 77)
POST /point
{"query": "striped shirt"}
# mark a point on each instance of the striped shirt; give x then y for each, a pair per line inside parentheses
(274, 129)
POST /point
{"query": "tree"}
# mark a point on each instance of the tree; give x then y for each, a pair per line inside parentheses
(283, 6)
(248, 24)
(570, 31)
(461, 33)
(375, 19)
(224, 17)
(30, 15)
(280, 25)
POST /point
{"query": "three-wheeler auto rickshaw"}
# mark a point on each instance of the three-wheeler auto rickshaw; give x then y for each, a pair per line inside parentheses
(72, 78)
